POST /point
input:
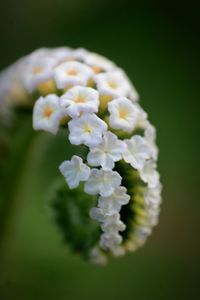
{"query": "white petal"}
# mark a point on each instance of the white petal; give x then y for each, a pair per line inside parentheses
(74, 171)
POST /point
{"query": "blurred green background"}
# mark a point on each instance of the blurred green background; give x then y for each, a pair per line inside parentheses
(158, 45)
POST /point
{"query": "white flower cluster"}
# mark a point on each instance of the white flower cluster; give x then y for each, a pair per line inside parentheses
(72, 85)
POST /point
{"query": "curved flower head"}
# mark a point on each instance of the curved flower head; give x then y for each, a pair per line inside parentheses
(74, 171)
(79, 100)
(102, 182)
(112, 84)
(137, 152)
(48, 113)
(89, 95)
(123, 114)
(107, 152)
(72, 73)
(87, 130)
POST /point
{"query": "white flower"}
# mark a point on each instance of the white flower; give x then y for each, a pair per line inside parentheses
(114, 202)
(137, 152)
(152, 196)
(72, 73)
(97, 213)
(97, 257)
(132, 93)
(150, 135)
(47, 114)
(38, 71)
(102, 182)
(113, 224)
(149, 174)
(80, 100)
(110, 240)
(123, 114)
(88, 130)
(61, 54)
(112, 83)
(107, 152)
(141, 234)
(74, 171)
(99, 62)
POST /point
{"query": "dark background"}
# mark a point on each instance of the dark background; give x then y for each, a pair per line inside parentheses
(158, 45)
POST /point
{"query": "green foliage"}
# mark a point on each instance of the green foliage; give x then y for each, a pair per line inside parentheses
(71, 210)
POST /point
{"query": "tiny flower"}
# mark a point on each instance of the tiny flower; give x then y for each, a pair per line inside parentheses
(74, 171)
(114, 202)
(153, 195)
(132, 94)
(61, 54)
(38, 71)
(123, 114)
(107, 152)
(102, 182)
(80, 100)
(137, 152)
(72, 73)
(149, 174)
(150, 135)
(97, 213)
(99, 62)
(112, 83)
(47, 114)
(110, 240)
(113, 223)
(88, 130)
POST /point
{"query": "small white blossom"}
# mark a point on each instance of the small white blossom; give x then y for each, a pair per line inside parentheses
(123, 114)
(110, 240)
(137, 152)
(149, 174)
(141, 234)
(99, 62)
(74, 171)
(61, 54)
(37, 72)
(80, 100)
(152, 196)
(97, 257)
(132, 94)
(150, 135)
(107, 152)
(97, 213)
(114, 202)
(112, 84)
(88, 130)
(72, 73)
(112, 223)
(102, 182)
(47, 114)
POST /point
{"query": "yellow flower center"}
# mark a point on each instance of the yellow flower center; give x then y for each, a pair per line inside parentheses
(72, 72)
(80, 99)
(123, 113)
(87, 128)
(47, 112)
(37, 70)
(113, 84)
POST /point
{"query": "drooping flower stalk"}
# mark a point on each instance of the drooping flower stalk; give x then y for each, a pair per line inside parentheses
(114, 186)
